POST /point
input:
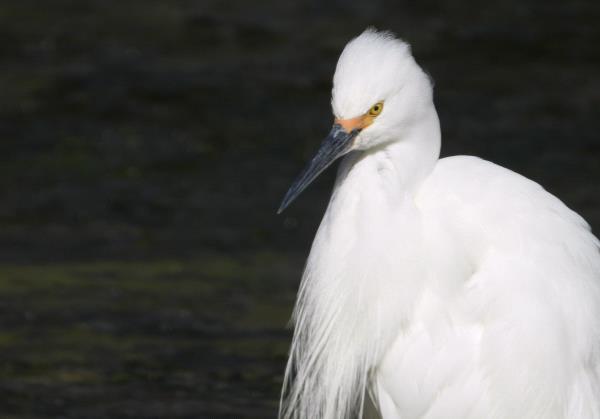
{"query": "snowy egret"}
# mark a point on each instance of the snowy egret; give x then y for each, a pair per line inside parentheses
(435, 288)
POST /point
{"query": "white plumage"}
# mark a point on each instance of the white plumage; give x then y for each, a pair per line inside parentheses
(449, 288)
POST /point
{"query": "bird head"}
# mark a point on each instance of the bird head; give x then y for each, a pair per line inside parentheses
(379, 92)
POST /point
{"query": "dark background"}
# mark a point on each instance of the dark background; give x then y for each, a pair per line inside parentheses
(146, 145)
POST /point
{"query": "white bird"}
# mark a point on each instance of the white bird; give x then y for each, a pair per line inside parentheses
(435, 288)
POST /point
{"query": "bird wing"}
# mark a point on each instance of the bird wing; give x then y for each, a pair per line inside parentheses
(509, 325)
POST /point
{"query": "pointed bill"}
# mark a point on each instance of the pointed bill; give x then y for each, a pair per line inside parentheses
(335, 145)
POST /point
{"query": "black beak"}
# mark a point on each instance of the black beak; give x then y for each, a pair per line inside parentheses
(336, 144)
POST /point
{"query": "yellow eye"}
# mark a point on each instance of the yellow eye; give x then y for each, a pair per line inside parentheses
(376, 109)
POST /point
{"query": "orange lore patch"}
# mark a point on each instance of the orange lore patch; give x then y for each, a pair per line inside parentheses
(359, 122)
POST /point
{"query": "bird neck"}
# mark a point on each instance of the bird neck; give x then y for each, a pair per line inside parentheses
(414, 155)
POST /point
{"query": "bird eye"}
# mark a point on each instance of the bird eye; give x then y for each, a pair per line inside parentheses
(376, 109)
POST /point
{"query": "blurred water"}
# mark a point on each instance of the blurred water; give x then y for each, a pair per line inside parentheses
(148, 144)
